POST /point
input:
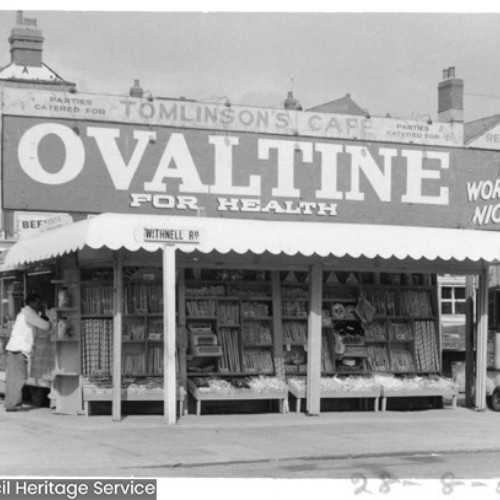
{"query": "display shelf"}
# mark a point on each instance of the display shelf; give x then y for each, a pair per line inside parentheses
(66, 384)
(99, 394)
(300, 394)
(258, 345)
(83, 316)
(57, 373)
(143, 374)
(256, 318)
(401, 309)
(240, 311)
(343, 300)
(387, 392)
(237, 395)
(253, 298)
(223, 374)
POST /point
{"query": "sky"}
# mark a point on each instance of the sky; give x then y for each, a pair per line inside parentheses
(388, 62)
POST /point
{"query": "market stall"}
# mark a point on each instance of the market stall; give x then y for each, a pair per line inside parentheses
(259, 305)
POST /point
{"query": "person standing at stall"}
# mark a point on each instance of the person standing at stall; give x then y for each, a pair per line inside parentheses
(20, 348)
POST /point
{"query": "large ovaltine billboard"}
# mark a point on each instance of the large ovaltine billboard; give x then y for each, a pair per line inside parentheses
(84, 155)
(75, 165)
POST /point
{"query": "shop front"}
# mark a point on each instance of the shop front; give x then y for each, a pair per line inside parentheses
(253, 323)
(246, 257)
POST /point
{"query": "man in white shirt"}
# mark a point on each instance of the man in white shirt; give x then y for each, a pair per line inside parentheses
(20, 348)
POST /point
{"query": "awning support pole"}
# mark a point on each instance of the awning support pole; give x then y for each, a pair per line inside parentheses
(482, 341)
(469, 341)
(117, 335)
(169, 371)
(314, 340)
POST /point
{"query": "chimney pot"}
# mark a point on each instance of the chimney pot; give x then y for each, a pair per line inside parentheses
(291, 102)
(26, 42)
(136, 90)
(450, 97)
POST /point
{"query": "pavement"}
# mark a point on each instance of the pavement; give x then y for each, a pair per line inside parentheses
(38, 442)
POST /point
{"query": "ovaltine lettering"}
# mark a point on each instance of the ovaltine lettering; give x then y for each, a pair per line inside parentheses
(211, 165)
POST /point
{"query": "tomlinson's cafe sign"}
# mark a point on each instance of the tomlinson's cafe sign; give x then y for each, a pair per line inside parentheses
(75, 152)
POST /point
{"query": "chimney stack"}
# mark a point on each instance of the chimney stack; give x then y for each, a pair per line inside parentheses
(450, 97)
(26, 42)
(136, 90)
(291, 103)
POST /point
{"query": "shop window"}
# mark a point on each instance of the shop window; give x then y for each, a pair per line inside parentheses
(453, 300)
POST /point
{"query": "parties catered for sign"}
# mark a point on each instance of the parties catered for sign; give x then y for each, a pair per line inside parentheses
(187, 114)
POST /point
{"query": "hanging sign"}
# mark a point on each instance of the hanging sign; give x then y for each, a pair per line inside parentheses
(151, 234)
(29, 223)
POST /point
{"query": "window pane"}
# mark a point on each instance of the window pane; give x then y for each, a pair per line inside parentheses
(459, 307)
(460, 292)
(446, 292)
(446, 308)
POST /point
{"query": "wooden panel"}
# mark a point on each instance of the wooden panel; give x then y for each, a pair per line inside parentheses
(66, 383)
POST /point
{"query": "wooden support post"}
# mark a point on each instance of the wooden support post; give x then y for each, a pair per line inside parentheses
(117, 335)
(169, 372)
(277, 319)
(482, 341)
(182, 349)
(314, 340)
(469, 341)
